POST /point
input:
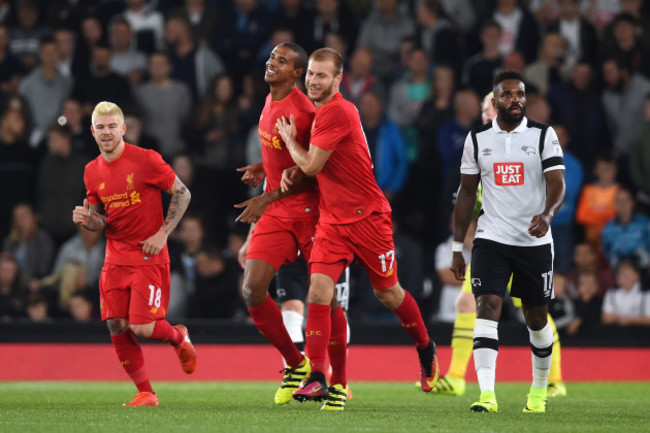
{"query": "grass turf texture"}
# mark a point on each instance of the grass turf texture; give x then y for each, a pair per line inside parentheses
(54, 407)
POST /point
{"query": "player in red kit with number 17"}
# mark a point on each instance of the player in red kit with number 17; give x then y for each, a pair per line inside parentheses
(123, 187)
(355, 220)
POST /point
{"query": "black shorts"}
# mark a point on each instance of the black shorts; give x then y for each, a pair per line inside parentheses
(292, 282)
(531, 269)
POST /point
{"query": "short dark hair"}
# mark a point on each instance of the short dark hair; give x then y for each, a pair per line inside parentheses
(507, 75)
(301, 61)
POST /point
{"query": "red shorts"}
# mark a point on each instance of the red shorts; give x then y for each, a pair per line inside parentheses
(370, 240)
(277, 240)
(137, 293)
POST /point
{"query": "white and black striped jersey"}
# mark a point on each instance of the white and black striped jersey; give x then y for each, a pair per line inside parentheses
(511, 166)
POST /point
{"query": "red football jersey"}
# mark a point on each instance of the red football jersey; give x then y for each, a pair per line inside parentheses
(349, 191)
(276, 157)
(129, 186)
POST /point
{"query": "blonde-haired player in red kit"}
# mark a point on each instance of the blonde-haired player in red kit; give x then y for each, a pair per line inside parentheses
(355, 221)
(123, 187)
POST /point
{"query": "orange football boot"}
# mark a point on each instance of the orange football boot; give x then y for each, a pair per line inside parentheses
(143, 399)
(185, 351)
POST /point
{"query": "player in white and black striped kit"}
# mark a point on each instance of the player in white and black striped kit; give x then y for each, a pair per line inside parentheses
(519, 163)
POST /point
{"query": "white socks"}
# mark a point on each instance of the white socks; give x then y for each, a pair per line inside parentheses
(541, 343)
(486, 348)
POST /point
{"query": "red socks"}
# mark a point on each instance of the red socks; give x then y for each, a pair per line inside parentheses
(409, 315)
(130, 356)
(268, 319)
(317, 336)
(164, 331)
(338, 347)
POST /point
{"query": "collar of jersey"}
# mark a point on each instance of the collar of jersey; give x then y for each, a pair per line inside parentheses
(337, 96)
(519, 129)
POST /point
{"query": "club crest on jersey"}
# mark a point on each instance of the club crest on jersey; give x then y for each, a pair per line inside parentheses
(530, 150)
(129, 181)
(508, 173)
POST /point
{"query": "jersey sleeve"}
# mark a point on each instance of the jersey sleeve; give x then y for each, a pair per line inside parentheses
(329, 130)
(91, 190)
(552, 156)
(161, 174)
(468, 163)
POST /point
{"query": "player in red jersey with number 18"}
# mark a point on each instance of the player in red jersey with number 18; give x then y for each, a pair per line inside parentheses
(123, 187)
(355, 220)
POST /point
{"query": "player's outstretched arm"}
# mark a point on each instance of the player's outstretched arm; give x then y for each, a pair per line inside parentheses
(92, 218)
(463, 213)
(255, 207)
(253, 174)
(180, 201)
(311, 162)
(555, 192)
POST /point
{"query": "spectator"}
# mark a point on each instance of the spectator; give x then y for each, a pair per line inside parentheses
(561, 308)
(217, 286)
(45, 90)
(519, 29)
(82, 140)
(11, 69)
(278, 36)
(462, 12)
(17, 166)
(450, 286)
(624, 101)
(627, 45)
(382, 31)
(588, 303)
(358, 78)
(27, 33)
(295, 16)
(55, 199)
(92, 34)
(134, 134)
(579, 34)
(627, 236)
(596, 205)
(193, 64)
(331, 16)
(564, 221)
(640, 163)
(32, 246)
(244, 32)
(601, 12)
(202, 19)
(147, 25)
(12, 288)
(551, 65)
(635, 9)
(37, 308)
(87, 249)
(67, 63)
(479, 70)
(166, 105)
(125, 60)
(585, 260)
(81, 307)
(407, 96)
(59, 286)
(437, 35)
(386, 145)
(578, 105)
(101, 84)
(217, 127)
(627, 305)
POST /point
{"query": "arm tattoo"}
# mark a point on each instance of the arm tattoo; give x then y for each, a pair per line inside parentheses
(180, 201)
(97, 219)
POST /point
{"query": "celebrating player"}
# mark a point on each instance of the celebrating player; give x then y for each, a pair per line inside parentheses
(285, 221)
(519, 163)
(355, 220)
(123, 187)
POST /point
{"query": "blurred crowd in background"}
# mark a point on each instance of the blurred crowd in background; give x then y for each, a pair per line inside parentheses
(189, 77)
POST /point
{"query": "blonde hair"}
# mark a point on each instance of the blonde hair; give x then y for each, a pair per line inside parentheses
(329, 54)
(106, 108)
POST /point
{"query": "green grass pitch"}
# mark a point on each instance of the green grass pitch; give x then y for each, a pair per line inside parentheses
(53, 407)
